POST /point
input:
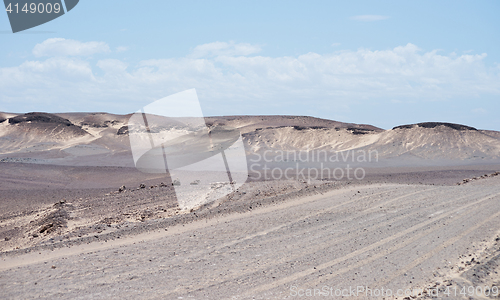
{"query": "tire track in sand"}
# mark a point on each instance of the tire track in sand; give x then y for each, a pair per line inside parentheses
(373, 246)
(211, 283)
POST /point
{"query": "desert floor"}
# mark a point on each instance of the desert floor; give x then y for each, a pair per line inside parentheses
(71, 235)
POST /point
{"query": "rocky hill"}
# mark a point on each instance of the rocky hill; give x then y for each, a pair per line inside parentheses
(103, 137)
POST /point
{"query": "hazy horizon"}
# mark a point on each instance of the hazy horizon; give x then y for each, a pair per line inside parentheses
(267, 115)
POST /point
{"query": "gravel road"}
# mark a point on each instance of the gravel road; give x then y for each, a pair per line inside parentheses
(391, 236)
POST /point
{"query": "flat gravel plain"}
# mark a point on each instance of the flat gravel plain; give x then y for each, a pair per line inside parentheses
(373, 236)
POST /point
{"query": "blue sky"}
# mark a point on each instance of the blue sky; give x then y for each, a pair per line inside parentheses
(384, 63)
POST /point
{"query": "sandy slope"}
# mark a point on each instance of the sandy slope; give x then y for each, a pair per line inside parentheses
(423, 143)
(391, 236)
(104, 140)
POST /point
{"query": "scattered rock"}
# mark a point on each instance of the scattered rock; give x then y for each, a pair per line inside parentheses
(122, 188)
(22, 160)
(46, 227)
(142, 186)
(358, 131)
(53, 221)
(176, 182)
(94, 124)
(123, 130)
(467, 180)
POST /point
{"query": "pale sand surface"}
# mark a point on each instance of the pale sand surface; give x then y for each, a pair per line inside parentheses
(375, 235)
(425, 216)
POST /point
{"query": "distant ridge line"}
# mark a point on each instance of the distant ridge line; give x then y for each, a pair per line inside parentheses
(436, 124)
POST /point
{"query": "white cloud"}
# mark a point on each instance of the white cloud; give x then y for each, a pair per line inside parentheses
(121, 49)
(224, 76)
(112, 65)
(224, 49)
(53, 72)
(369, 18)
(64, 47)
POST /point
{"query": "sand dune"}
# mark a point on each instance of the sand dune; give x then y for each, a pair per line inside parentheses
(104, 137)
(439, 142)
(411, 142)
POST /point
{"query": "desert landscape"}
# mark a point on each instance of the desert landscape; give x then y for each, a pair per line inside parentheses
(325, 206)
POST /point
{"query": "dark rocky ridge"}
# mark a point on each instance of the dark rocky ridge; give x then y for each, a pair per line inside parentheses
(39, 117)
(42, 121)
(357, 131)
(436, 124)
(98, 120)
(353, 130)
(280, 121)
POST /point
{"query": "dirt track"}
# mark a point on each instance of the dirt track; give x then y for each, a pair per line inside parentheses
(384, 235)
